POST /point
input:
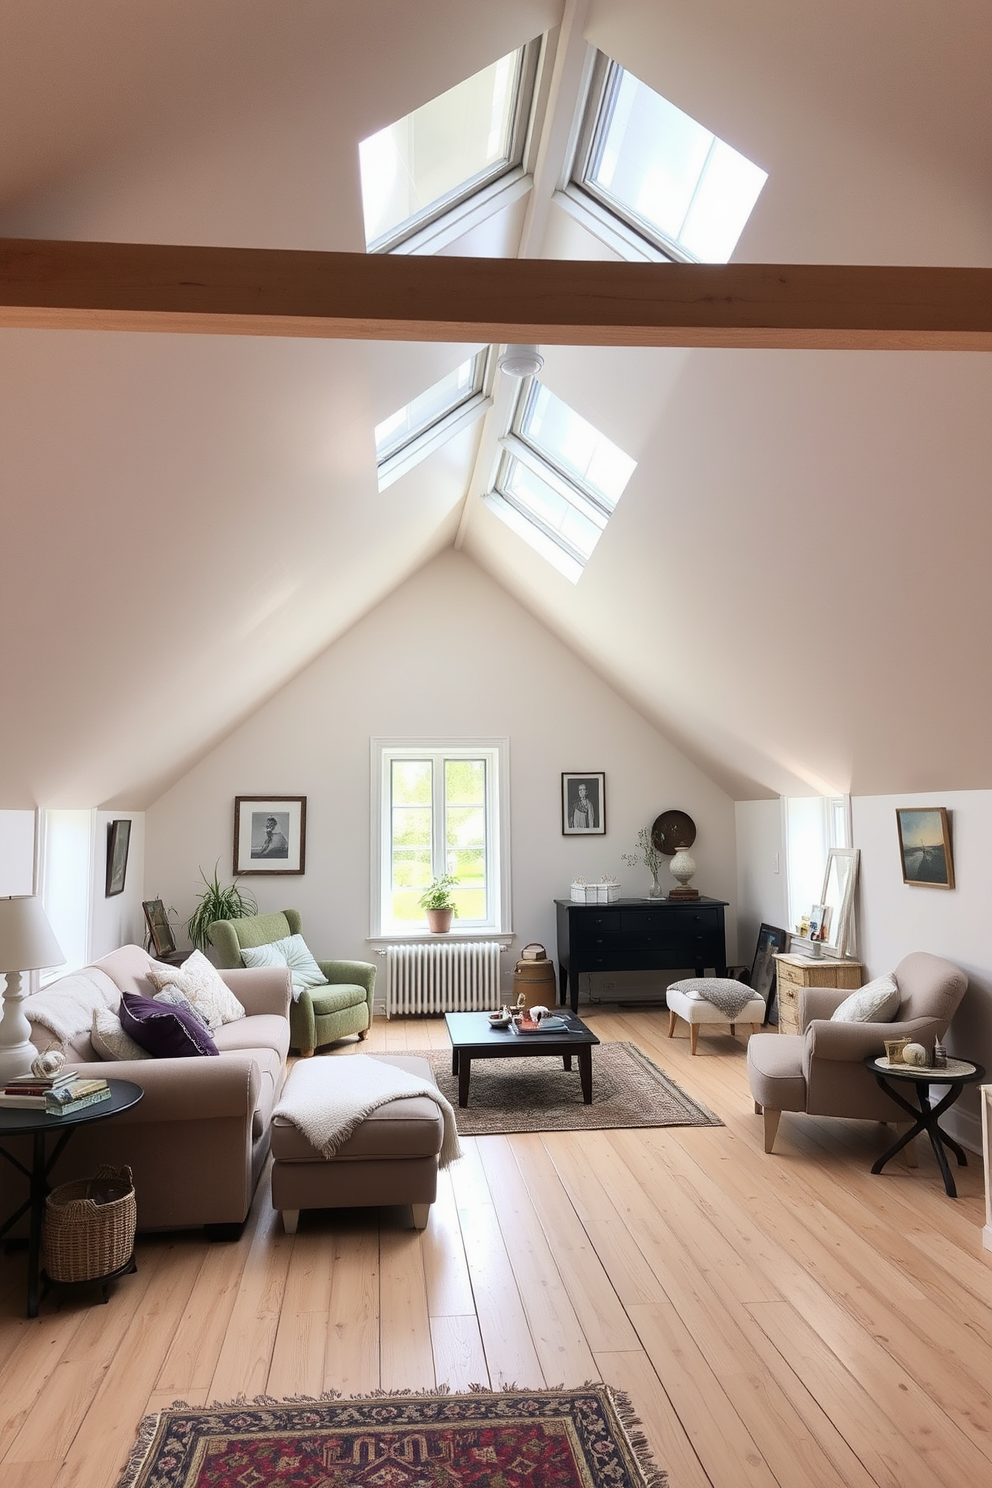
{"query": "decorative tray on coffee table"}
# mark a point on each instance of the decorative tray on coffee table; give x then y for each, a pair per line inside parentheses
(527, 1026)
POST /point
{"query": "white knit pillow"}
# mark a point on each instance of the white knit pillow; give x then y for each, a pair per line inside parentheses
(293, 952)
(203, 985)
(109, 1039)
(875, 1002)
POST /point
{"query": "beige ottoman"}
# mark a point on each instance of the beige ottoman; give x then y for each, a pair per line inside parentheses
(687, 1000)
(390, 1159)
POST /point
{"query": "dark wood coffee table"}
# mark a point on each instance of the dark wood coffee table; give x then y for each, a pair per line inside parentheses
(473, 1037)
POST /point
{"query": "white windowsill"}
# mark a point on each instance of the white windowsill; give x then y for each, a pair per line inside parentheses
(426, 937)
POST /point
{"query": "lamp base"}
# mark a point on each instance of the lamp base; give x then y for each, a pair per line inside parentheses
(16, 1049)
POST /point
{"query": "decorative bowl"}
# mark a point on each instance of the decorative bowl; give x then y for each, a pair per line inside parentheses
(500, 1020)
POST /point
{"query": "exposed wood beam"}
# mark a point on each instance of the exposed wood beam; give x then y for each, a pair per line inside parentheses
(282, 292)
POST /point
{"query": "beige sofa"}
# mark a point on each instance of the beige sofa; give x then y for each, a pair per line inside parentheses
(197, 1141)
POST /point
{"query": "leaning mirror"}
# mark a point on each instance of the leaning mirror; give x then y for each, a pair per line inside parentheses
(839, 884)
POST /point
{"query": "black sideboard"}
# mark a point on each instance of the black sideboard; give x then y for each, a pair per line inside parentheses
(639, 935)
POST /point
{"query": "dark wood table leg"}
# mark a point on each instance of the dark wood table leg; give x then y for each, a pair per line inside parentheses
(454, 1061)
(926, 1119)
(464, 1073)
(566, 1061)
(585, 1074)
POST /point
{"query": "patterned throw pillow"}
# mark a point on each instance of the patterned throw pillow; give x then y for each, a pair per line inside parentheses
(109, 1039)
(172, 997)
(203, 985)
(166, 1032)
(293, 952)
(876, 1002)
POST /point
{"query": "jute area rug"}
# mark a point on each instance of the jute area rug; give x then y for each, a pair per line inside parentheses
(586, 1438)
(537, 1094)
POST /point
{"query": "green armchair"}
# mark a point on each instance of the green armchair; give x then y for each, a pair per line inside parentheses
(321, 1014)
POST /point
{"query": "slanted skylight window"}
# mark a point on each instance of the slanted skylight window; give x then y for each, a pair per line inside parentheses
(558, 480)
(422, 166)
(668, 177)
(429, 420)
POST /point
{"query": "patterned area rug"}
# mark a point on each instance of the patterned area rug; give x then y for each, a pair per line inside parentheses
(586, 1438)
(535, 1094)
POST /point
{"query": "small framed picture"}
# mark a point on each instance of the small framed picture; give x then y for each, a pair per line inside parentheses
(583, 803)
(925, 846)
(118, 842)
(160, 934)
(819, 922)
(270, 834)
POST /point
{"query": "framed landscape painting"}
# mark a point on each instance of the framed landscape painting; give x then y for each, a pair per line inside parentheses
(118, 841)
(925, 846)
(270, 834)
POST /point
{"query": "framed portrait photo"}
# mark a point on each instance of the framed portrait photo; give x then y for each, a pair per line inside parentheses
(163, 942)
(925, 846)
(583, 803)
(118, 842)
(270, 834)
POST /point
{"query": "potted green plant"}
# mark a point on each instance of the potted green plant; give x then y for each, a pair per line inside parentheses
(217, 903)
(437, 901)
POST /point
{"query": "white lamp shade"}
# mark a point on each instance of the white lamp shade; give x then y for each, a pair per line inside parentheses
(27, 941)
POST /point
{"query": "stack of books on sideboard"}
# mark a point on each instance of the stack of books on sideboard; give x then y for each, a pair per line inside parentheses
(54, 1095)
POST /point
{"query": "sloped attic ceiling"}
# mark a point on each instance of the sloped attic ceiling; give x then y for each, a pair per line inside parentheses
(798, 561)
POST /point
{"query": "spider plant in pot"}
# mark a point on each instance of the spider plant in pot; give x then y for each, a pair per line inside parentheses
(438, 903)
(217, 903)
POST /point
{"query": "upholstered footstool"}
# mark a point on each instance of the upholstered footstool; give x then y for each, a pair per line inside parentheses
(391, 1158)
(698, 1000)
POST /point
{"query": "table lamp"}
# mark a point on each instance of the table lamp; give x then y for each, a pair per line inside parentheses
(27, 943)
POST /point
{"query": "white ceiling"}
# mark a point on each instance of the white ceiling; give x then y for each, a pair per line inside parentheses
(794, 585)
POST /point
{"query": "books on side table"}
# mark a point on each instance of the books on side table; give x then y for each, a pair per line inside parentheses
(55, 1095)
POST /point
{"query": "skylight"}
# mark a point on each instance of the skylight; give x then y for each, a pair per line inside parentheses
(427, 162)
(558, 479)
(427, 421)
(664, 174)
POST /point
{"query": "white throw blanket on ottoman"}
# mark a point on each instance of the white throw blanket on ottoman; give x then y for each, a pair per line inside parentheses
(328, 1099)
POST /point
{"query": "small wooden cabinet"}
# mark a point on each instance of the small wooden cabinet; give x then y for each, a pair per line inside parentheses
(795, 972)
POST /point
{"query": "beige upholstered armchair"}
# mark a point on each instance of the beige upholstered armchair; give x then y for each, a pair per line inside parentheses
(821, 1070)
(321, 1014)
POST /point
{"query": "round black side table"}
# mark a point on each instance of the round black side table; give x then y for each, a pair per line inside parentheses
(958, 1074)
(16, 1121)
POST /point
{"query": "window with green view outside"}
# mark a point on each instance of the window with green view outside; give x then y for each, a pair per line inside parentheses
(438, 811)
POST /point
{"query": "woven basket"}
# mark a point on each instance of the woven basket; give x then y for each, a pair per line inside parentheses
(89, 1226)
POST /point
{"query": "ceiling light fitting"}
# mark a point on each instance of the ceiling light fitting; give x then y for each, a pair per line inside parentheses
(521, 361)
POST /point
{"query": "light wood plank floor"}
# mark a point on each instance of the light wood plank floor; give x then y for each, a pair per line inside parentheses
(782, 1322)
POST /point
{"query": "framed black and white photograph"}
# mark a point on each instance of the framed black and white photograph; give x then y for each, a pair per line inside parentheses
(118, 841)
(925, 846)
(583, 803)
(270, 834)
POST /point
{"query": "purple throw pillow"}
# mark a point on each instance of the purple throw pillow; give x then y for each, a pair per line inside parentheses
(167, 1032)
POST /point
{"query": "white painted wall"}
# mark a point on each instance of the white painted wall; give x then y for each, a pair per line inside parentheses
(449, 654)
(762, 880)
(16, 853)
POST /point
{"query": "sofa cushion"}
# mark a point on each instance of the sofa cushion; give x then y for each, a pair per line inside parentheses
(203, 985)
(109, 1040)
(172, 997)
(293, 952)
(166, 1032)
(62, 1013)
(875, 1002)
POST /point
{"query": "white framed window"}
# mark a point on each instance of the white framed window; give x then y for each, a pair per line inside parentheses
(427, 163)
(813, 825)
(558, 479)
(425, 423)
(667, 177)
(437, 808)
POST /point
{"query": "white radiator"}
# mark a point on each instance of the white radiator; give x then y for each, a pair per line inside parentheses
(458, 977)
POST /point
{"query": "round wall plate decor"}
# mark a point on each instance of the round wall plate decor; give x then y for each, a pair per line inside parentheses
(672, 831)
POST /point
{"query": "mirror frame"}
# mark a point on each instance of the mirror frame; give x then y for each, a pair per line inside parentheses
(841, 927)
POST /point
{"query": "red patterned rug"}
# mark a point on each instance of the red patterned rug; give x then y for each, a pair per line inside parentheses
(586, 1438)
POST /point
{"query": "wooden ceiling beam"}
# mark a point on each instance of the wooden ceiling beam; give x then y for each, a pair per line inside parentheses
(358, 296)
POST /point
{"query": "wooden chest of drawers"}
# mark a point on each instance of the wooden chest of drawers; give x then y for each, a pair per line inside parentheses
(794, 972)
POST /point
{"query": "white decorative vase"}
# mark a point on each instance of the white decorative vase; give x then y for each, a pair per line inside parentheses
(682, 867)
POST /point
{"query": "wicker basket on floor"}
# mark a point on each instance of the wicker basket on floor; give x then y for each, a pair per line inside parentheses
(89, 1226)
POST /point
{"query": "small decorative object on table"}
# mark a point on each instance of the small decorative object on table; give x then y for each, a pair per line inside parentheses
(915, 1054)
(606, 891)
(673, 833)
(648, 854)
